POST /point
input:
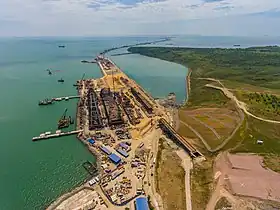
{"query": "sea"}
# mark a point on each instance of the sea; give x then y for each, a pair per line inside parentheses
(33, 174)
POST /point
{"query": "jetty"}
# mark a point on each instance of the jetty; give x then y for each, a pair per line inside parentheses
(65, 98)
(58, 133)
(50, 101)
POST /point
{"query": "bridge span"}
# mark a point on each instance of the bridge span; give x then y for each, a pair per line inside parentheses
(172, 134)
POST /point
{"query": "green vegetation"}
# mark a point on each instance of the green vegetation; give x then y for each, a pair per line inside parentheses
(223, 203)
(170, 173)
(272, 162)
(201, 96)
(202, 183)
(256, 65)
(261, 104)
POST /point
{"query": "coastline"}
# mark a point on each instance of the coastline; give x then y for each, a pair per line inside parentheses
(82, 185)
(188, 85)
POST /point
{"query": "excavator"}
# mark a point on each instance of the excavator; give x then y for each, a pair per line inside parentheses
(64, 121)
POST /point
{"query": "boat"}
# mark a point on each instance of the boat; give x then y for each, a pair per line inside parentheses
(84, 61)
(236, 45)
(61, 46)
(71, 120)
(60, 80)
(64, 121)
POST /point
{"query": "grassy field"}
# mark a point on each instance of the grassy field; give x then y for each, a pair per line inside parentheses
(201, 184)
(223, 203)
(261, 104)
(201, 96)
(170, 177)
(272, 162)
(221, 121)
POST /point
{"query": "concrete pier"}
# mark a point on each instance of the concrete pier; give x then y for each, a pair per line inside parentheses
(65, 98)
(58, 133)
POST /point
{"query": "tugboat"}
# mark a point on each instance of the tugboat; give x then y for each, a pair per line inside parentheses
(45, 102)
(61, 80)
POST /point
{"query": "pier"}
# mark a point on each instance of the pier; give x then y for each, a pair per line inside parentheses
(50, 101)
(48, 135)
(65, 98)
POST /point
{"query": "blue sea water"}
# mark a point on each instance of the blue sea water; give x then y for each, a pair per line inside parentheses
(35, 173)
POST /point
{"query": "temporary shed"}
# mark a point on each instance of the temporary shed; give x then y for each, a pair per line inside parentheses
(141, 204)
(122, 152)
(114, 158)
(105, 150)
(91, 141)
(123, 145)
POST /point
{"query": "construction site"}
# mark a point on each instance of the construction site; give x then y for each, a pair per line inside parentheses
(121, 124)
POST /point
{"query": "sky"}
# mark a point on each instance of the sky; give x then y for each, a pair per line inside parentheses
(139, 17)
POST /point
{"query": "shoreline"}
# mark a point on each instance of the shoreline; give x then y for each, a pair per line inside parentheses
(82, 185)
(188, 85)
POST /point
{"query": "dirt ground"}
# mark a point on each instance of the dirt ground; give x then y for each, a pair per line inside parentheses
(245, 183)
(213, 124)
(83, 199)
(170, 178)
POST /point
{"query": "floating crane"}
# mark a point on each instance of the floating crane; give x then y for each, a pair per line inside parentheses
(64, 121)
(49, 71)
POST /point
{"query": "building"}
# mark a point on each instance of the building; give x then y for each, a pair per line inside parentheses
(122, 152)
(141, 203)
(105, 150)
(92, 141)
(114, 158)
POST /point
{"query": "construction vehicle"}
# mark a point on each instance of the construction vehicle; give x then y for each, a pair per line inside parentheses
(64, 121)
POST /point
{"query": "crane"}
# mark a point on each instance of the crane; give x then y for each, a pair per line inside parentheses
(64, 114)
(49, 71)
(83, 76)
(63, 121)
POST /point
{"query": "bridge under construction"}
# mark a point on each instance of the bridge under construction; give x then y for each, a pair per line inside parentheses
(172, 134)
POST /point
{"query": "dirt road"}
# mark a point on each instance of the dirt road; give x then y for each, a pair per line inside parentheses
(155, 197)
(241, 105)
(187, 165)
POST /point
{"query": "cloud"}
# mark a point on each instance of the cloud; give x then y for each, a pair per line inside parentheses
(94, 17)
(209, 1)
